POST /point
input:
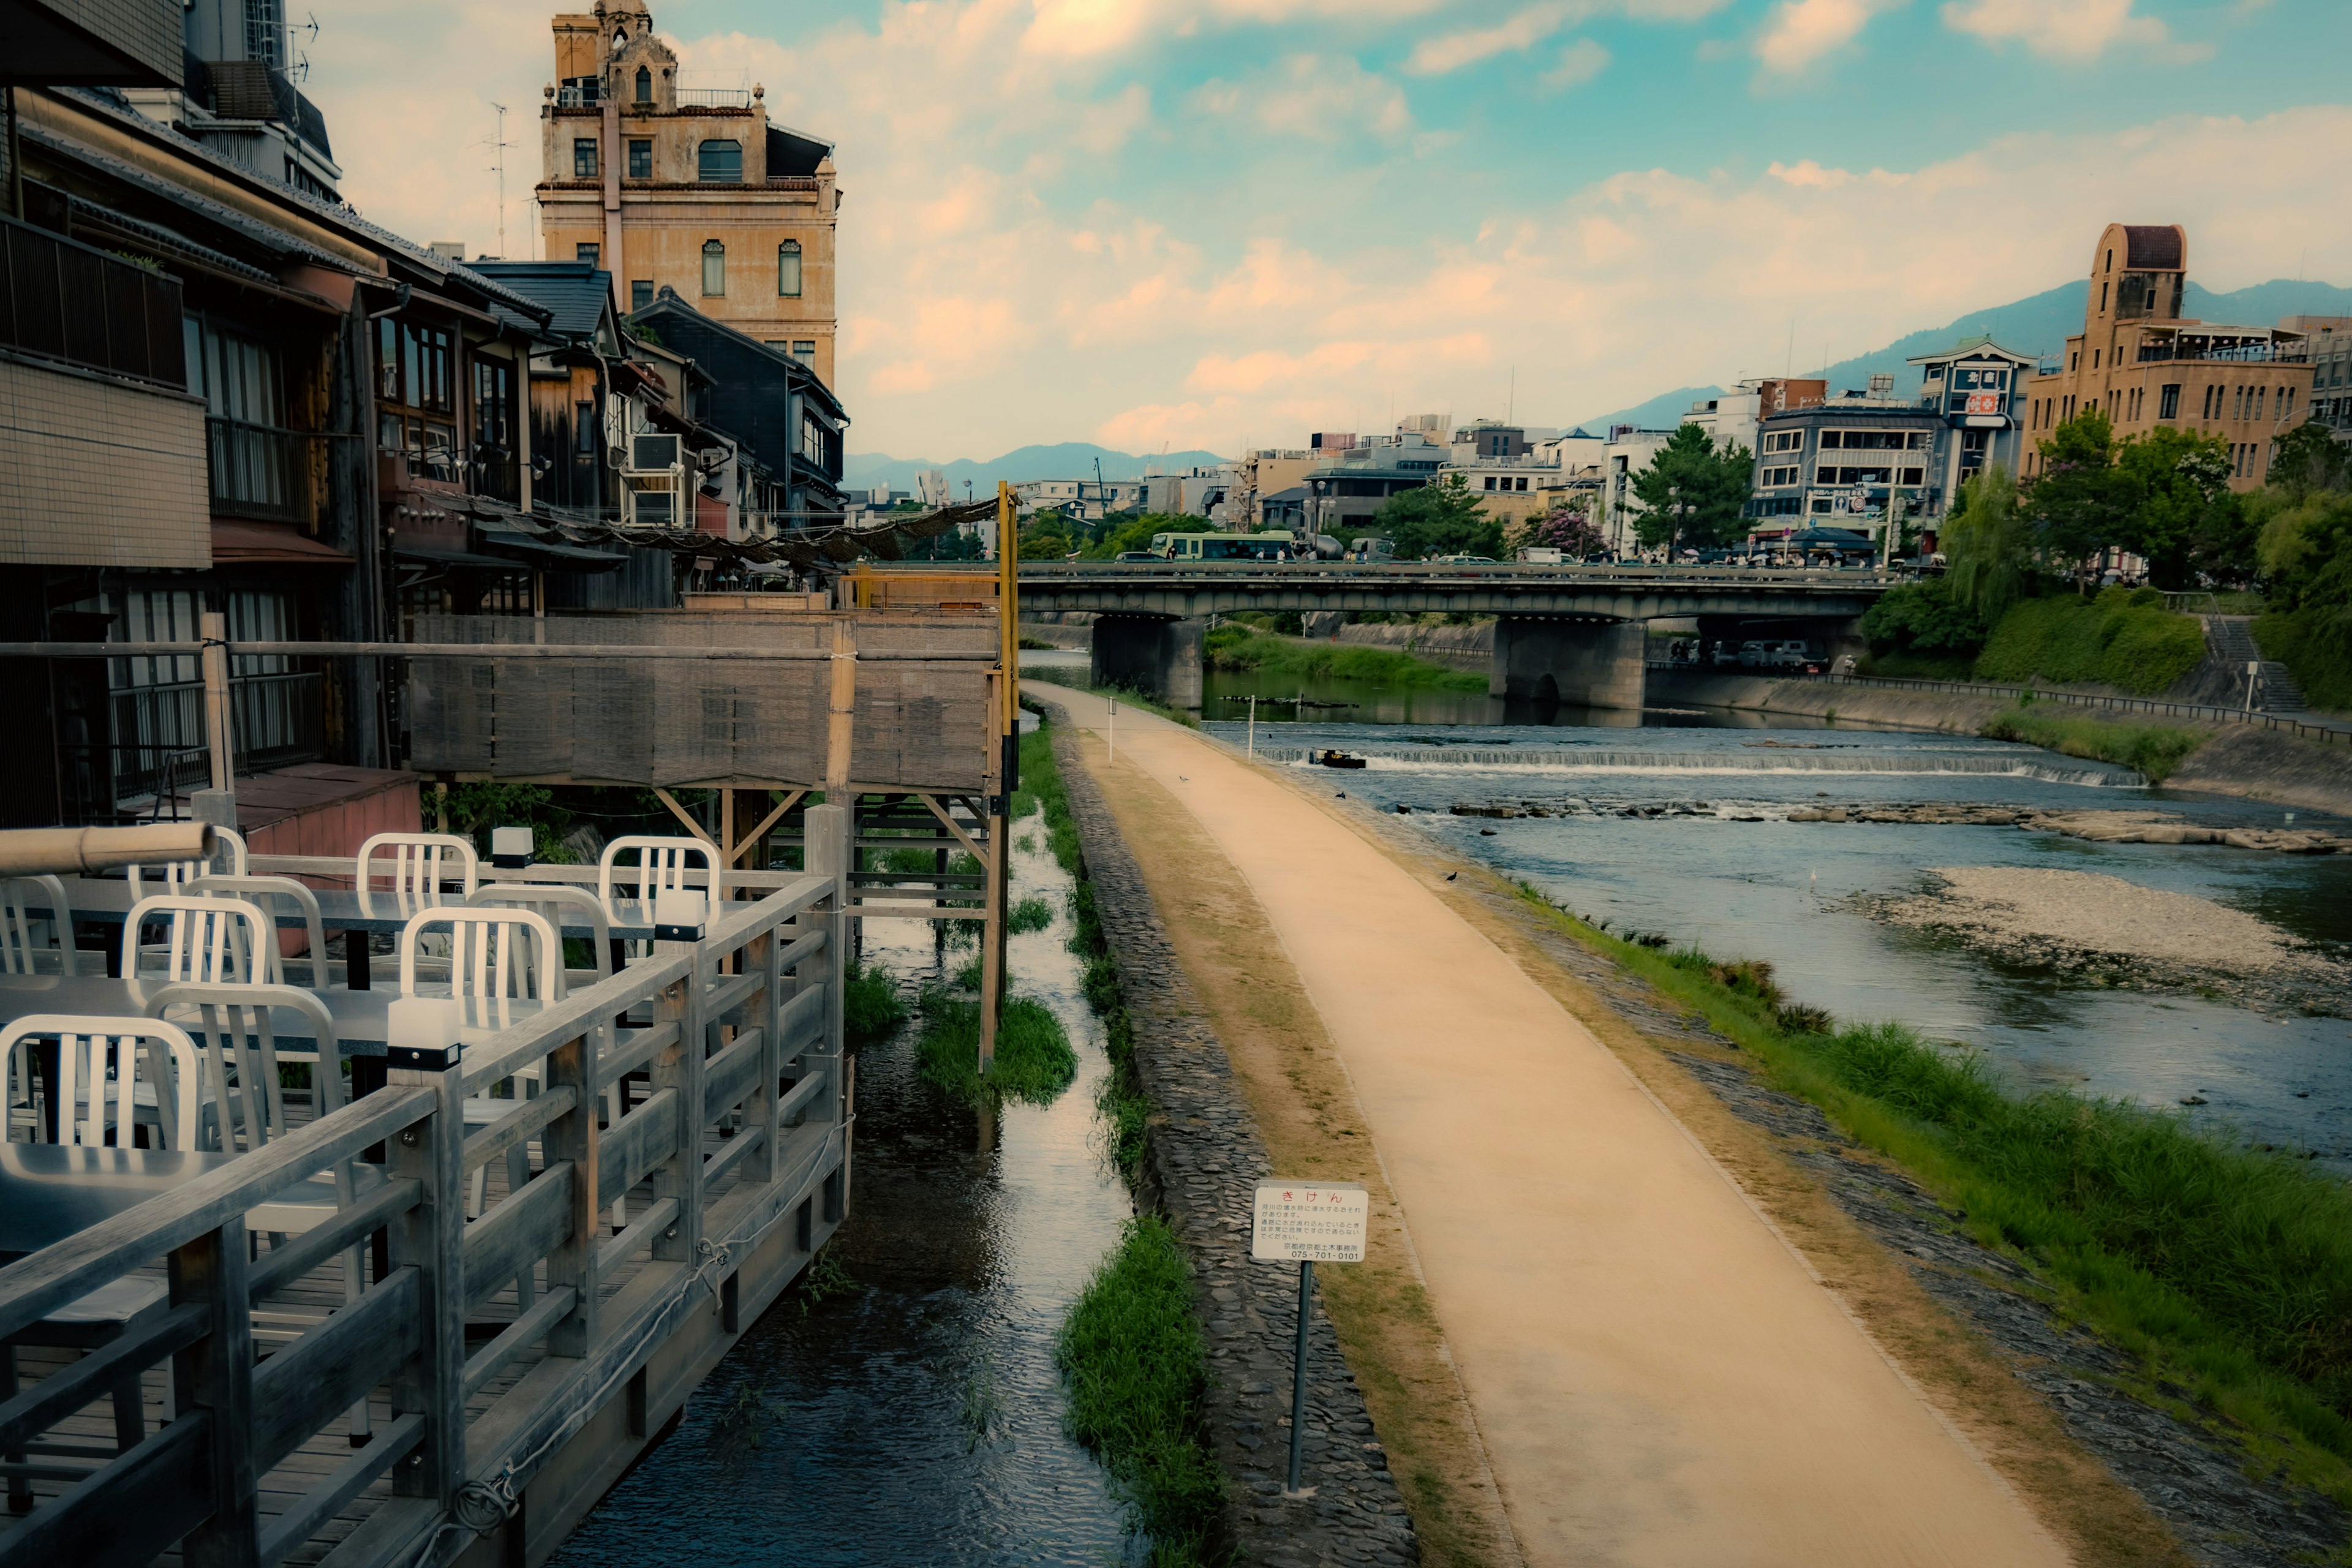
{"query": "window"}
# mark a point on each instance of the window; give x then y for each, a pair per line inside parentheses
(2095, 359)
(2168, 402)
(1776, 479)
(641, 293)
(714, 268)
(583, 159)
(2103, 303)
(788, 268)
(238, 377)
(2258, 400)
(644, 85)
(583, 427)
(719, 163)
(641, 159)
(1784, 441)
(805, 351)
(591, 254)
(1490, 481)
(416, 395)
(2285, 403)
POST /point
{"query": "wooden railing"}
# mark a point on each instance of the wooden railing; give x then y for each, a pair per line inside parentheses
(735, 1045)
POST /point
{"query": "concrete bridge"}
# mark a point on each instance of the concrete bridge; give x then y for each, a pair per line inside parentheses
(1572, 635)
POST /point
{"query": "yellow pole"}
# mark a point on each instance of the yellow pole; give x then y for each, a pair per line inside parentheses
(1008, 601)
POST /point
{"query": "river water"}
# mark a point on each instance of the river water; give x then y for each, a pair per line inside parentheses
(915, 1416)
(1720, 865)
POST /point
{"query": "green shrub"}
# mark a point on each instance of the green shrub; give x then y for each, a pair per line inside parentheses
(1132, 1355)
(1240, 648)
(2151, 750)
(1923, 619)
(1028, 915)
(1034, 1059)
(2125, 638)
(870, 1006)
(1101, 984)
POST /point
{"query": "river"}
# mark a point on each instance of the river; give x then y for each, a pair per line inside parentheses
(914, 1415)
(1721, 867)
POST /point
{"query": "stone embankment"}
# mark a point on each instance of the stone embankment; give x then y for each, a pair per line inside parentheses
(1202, 1158)
(2238, 758)
(1470, 647)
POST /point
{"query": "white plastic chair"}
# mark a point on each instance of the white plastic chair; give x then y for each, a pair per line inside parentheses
(259, 892)
(228, 858)
(102, 1063)
(25, 948)
(418, 864)
(241, 1056)
(661, 864)
(212, 940)
(134, 1051)
(497, 957)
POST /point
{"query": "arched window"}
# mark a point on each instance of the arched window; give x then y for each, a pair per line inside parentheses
(644, 85)
(719, 162)
(788, 268)
(714, 268)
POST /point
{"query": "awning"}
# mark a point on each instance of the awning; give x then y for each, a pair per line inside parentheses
(547, 554)
(243, 543)
(459, 558)
(629, 377)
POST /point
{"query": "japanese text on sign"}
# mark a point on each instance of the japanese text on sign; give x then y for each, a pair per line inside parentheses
(1319, 1223)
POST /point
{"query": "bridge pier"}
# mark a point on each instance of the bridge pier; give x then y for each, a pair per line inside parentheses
(1581, 664)
(1160, 658)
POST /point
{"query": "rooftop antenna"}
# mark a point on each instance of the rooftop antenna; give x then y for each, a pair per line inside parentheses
(498, 145)
(1511, 398)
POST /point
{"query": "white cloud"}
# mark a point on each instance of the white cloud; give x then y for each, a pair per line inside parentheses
(2068, 29)
(1451, 51)
(1318, 97)
(1801, 31)
(1580, 62)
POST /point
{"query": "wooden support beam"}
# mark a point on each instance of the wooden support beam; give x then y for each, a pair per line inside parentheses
(791, 798)
(949, 823)
(842, 717)
(680, 811)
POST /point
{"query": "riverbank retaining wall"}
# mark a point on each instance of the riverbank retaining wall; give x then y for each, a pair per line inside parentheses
(1204, 1156)
(1470, 647)
(2239, 758)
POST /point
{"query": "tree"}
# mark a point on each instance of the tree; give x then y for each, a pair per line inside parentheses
(2077, 503)
(1440, 519)
(2177, 485)
(1990, 543)
(1568, 528)
(1694, 492)
(2308, 458)
(1924, 618)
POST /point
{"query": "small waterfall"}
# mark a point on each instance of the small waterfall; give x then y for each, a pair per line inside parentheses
(1598, 760)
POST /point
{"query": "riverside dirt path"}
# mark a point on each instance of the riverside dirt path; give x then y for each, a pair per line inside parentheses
(1657, 1375)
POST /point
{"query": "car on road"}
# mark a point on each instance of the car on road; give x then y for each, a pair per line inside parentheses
(1367, 548)
(1466, 560)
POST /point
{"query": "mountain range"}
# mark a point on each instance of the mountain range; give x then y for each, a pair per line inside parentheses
(1064, 460)
(2038, 324)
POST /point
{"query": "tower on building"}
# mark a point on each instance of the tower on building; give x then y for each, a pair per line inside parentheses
(691, 188)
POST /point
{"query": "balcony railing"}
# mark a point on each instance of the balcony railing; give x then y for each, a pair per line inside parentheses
(276, 718)
(2243, 353)
(259, 470)
(714, 98)
(74, 303)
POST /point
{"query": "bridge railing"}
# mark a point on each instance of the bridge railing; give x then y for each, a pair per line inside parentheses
(1512, 571)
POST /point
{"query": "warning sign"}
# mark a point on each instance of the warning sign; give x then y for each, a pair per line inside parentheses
(1318, 1223)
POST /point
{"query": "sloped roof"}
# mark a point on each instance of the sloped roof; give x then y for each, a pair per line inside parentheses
(576, 294)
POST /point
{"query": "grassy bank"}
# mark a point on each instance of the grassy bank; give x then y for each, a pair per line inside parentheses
(1130, 1348)
(2124, 639)
(870, 1005)
(1238, 647)
(2152, 750)
(1135, 1367)
(2227, 1272)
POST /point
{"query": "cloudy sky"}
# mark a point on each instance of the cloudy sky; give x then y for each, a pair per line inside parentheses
(1212, 223)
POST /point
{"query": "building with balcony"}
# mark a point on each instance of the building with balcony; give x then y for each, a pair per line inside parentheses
(237, 95)
(691, 189)
(2141, 362)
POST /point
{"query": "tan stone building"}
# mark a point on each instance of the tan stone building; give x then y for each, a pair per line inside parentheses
(692, 188)
(2141, 362)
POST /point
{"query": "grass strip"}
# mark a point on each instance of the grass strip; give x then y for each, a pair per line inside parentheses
(1127, 695)
(870, 1006)
(2226, 1270)
(1238, 647)
(1132, 1355)
(1030, 914)
(2152, 750)
(1034, 1060)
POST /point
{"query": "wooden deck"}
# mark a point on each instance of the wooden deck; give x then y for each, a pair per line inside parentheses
(498, 1414)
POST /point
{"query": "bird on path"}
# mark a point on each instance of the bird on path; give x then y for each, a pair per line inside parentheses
(1451, 874)
(1339, 795)
(1182, 779)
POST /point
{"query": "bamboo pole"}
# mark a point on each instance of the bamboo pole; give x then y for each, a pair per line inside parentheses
(219, 738)
(991, 930)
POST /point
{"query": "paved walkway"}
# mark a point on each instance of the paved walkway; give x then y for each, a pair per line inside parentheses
(1659, 1378)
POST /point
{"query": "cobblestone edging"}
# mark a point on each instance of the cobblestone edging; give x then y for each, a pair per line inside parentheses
(1201, 1159)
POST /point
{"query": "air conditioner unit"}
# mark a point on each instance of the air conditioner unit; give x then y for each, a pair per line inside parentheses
(650, 450)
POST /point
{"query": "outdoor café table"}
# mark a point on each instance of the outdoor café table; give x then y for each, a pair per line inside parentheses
(106, 900)
(49, 1191)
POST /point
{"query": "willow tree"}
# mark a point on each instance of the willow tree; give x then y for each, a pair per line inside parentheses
(1990, 544)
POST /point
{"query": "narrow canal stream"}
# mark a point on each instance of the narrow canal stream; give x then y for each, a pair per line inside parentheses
(912, 1413)
(1721, 865)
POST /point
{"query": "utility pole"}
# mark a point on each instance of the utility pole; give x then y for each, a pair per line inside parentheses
(498, 145)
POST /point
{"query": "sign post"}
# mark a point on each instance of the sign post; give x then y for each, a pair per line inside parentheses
(1308, 1222)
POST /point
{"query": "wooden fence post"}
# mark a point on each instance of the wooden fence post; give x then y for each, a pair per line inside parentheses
(829, 855)
(215, 1374)
(766, 952)
(574, 1137)
(678, 1066)
(432, 1237)
(991, 926)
